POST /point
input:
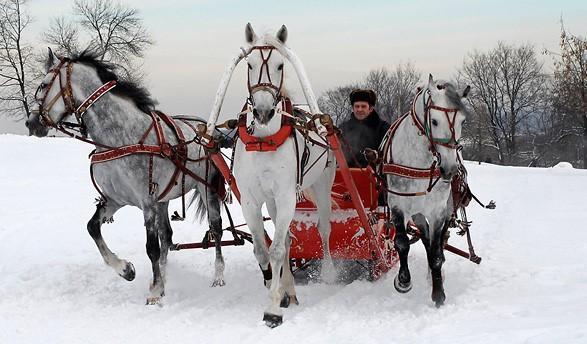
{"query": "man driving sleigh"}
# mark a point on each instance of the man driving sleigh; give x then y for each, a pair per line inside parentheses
(364, 129)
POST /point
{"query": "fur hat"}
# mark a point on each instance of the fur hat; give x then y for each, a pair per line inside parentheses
(360, 95)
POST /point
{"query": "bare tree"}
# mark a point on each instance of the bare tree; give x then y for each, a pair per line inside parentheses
(114, 30)
(570, 92)
(16, 59)
(509, 88)
(336, 103)
(394, 88)
(64, 35)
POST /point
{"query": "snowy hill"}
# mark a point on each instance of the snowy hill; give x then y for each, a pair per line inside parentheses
(530, 288)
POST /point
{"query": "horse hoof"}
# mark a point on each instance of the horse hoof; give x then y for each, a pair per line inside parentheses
(438, 298)
(272, 320)
(218, 283)
(129, 272)
(151, 301)
(287, 300)
(400, 286)
(284, 301)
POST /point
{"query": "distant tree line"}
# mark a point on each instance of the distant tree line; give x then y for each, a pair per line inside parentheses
(518, 113)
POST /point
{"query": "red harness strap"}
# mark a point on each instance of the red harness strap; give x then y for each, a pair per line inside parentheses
(81, 110)
(389, 167)
(264, 144)
(176, 153)
(410, 172)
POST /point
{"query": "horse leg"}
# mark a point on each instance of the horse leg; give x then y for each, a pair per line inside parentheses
(322, 195)
(402, 281)
(436, 259)
(104, 211)
(215, 222)
(165, 238)
(254, 219)
(287, 278)
(152, 215)
(273, 315)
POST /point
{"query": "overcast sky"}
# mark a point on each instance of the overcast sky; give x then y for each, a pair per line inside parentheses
(338, 41)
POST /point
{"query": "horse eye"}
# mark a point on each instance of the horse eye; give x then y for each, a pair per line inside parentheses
(434, 122)
(440, 87)
(280, 67)
(43, 85)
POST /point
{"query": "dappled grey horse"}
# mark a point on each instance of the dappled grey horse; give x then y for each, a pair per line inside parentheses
(421, 156)
(116, 113)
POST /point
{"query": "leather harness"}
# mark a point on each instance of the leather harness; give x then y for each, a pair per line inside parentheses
(177, 154)
(433, 172)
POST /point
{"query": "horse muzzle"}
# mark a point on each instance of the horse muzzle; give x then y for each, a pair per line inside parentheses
(36, 128)
(263, 116)
(447, 173)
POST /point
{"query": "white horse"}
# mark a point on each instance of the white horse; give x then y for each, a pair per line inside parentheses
(421, 156)
(276, 176)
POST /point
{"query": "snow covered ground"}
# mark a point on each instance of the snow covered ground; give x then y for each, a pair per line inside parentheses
(530, 288)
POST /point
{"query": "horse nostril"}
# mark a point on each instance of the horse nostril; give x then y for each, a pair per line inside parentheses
(255, 113)
(271, 113)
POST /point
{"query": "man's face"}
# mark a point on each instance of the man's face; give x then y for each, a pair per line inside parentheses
(362, 110)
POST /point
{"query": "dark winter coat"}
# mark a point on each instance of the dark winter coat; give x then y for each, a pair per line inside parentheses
(358, 135)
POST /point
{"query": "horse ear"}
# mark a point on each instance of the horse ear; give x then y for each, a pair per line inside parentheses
(50, 59)
(430, 80)
(282, 34)
(466, 91)
(250, 34)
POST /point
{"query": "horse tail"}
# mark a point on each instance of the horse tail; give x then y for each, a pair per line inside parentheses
(206, 197)
(201, 205)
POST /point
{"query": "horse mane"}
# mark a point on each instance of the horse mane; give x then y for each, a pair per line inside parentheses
(453, 96)
(126, 88)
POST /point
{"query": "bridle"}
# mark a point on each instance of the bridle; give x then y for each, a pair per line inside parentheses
(432, 173)
(264, 69)
(426, 127)
(66, 93)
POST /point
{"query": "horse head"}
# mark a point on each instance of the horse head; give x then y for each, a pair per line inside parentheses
(265, 73)
(441, 114)
(63, 91)
(54, 95)
(45, 91)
